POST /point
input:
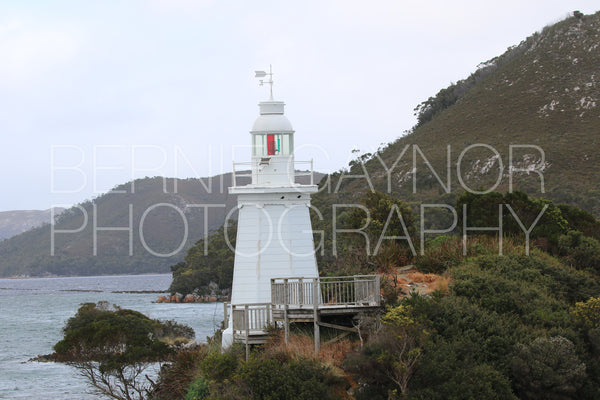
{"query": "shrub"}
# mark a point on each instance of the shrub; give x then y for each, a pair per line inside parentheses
(588, 312)
(548, 369)
(581, 251)
(282, 378)
(219, 366)
(441, 254)
(111, 336)
(198, 390)
(176, 376)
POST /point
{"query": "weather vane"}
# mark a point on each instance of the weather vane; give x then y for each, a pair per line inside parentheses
(262, 74)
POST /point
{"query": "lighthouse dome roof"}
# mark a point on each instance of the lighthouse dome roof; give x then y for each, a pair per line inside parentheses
(271, 118)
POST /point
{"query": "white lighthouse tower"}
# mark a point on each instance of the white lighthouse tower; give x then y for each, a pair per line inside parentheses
(274, 234)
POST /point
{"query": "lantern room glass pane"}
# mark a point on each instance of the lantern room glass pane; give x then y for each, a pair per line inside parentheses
(272, 144)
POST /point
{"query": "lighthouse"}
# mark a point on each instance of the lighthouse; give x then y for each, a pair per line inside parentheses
(274, 234)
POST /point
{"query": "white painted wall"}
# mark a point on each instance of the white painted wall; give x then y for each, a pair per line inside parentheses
(274, 240)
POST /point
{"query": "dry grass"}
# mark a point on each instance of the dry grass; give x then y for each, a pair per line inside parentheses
(419, 277)
(175, 341)
(415, 280)
(301, 346)
(442, 284)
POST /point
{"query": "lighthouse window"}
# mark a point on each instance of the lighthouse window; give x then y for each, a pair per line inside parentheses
(272, 144)
(272, 147)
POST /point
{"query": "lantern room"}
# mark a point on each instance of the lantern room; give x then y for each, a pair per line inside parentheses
(272, 146)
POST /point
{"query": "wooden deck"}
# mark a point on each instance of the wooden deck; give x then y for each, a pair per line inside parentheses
(306, 300)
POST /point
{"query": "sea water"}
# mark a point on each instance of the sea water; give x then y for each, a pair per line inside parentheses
(34, 311)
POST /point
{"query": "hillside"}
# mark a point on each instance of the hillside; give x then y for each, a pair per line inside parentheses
(163, 230)
(543, 93)
(14, 222)
(161, 214)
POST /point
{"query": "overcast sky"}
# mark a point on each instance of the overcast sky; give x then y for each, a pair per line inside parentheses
(93, 93)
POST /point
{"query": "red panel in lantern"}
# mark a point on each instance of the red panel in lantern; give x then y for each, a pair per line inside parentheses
(271, 145)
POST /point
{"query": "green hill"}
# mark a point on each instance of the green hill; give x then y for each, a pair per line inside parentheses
(162, 217)
(543, 93)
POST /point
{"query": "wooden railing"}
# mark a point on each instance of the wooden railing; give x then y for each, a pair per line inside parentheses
(251, 318)
(359, 290)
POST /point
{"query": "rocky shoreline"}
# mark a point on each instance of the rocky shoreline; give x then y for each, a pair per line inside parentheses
(191, 298)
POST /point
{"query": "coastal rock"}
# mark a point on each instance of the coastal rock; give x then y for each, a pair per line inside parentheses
(44, 358)
(176, 298)
(162, 299)
(191, 298)
(214, 288)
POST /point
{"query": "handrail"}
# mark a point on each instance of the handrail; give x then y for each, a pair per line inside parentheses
(251, 318)
(236, 175)
(326, 277)
(359, 290)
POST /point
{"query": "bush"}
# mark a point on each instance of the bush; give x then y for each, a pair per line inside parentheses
(112, 336)
(588, 312)
(198, 390)
(265, 376)
(283, 378)
(477, 382)
(453, 370)
(219, 366)
(176, 377)
(442, 253)
(581, 251)
(548, 369)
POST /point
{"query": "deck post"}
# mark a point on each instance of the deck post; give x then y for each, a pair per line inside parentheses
(269, 317)
(316, 315)
(286, 322)
(247, 327)
(378, 290)
(286, 326)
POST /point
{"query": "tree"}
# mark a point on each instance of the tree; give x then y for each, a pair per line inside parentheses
(387, 218)
(483, 211)
(114, 348)
(391, 357)
(404, 336)
(548, 369)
